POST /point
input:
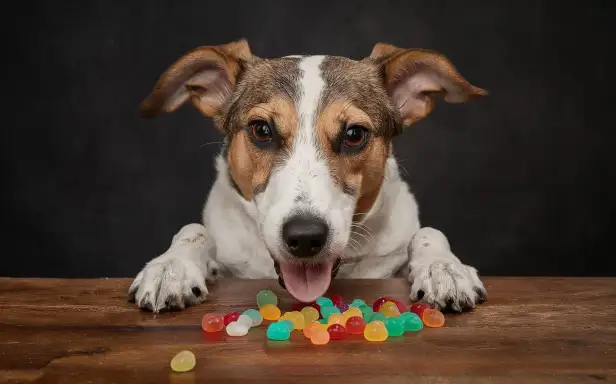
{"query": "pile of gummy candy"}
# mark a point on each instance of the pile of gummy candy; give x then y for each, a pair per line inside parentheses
(326, 319)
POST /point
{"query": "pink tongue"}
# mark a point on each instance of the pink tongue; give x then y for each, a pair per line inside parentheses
(306, 282)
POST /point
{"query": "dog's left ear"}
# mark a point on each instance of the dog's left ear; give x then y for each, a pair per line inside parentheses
(415, 77)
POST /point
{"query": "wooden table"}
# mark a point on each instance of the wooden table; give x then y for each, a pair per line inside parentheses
(531, 330)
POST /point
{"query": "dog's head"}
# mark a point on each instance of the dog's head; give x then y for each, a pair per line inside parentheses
(308, 138)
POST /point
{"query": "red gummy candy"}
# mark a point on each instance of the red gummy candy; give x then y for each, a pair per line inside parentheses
(380, 301)
(336, 332)
(355, 325)
(231, 317)
(401, 306)
(419, 308)
(212, 322)
(337, 300)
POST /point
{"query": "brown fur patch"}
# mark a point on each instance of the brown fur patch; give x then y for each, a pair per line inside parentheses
(250, 166)
(355, 94)
(361, 173)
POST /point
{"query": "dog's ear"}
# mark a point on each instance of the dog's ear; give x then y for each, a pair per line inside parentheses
(206, 76)
(414, 78)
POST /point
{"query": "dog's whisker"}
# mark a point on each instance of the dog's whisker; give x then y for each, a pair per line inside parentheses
(210, 143)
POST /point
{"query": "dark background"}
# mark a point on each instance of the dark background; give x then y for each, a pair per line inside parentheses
(518, 181)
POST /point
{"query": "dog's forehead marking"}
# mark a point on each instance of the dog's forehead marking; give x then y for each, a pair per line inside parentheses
(311, 88)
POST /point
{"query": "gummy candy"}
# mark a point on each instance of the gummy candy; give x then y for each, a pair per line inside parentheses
(395, 326)
(375, 331)
(297, 319)
(412, 322)
(327, 311)
(212, 322)
(337, 300)
(358, 303)
(380, 301)
(355, 325)
(183, 361)
(377, 316)
(353, 311)
(270, 312)
(231, 317)
(255, 315)
(288, 323)
(266, 297)
(343, 307)
(310, 328)
(245, 320)
(337, 318)
(390, 309)
(310, 314)
(401, 306)
(366, 311)
(319, 336)
(433, 318)
(316, 306)
(278, 331)
(322, 321)
(324, 301)
(419, 308)
(236, 328)
(336, 332)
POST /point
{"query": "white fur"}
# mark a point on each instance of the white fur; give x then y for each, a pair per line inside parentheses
(241, 235)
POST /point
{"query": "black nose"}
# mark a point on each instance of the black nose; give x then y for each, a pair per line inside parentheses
(304, 235)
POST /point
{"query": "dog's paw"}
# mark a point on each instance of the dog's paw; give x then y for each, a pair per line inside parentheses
(448, 285)
(169, 283)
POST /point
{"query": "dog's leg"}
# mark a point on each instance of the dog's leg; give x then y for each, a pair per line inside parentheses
(439, 277)
(176, 279)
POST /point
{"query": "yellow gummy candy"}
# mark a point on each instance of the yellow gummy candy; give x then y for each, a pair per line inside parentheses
(270, 312)
(310, 314)
(337, 318)
(297, 319)
(353, 311)
(375, 331)
(183, 362)
(390, 309)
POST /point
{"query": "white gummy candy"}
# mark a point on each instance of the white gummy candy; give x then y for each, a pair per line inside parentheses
(236, 329)
(245, 320)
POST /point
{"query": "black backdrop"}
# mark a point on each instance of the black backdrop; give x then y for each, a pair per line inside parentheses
(517, 181)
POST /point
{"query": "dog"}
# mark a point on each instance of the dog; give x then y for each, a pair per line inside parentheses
(307, 184)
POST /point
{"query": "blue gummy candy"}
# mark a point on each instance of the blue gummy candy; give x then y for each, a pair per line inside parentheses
(324, 301)
(358, 303)
(328, 310)
(289, 324)
(278, 331)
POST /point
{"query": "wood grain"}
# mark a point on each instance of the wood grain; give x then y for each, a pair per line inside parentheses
(531, 330)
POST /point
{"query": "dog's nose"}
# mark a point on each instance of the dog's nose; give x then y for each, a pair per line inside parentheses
(305, 235)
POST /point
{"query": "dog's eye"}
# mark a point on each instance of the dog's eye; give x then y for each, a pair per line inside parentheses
(355, 137)
(261, 131)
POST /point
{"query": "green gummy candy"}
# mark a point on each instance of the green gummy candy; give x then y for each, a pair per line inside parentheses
(358, 303)
(380, 316)
(253, 314)
(366, 311)
(328, 310)
(412, 322)
(322, 321)
(266, 297)
(324, 301)
(395, 326)
(278, 331)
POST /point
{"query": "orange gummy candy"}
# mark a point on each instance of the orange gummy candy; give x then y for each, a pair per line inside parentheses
(270, 312)
(433, 318)
(308, 330)
(319, 336)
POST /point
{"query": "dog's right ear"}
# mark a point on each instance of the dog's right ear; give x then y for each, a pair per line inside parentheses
(206, 76)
